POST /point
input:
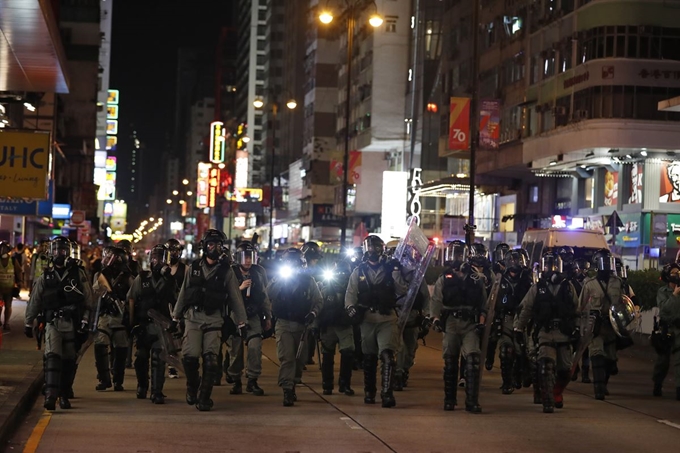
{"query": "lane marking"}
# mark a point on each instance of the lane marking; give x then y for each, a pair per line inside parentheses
(666, 422)
(38, 431)
(351, 423)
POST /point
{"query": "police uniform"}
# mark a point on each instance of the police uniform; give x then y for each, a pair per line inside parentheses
(150, 290)
(258, 309)
(337, 330)
(596, 299)
(552, 306)
(292, 300)
(408, 344)
(374, 289)
(510, 294)
(202, 302)
(64, 295)
(112, 326)
(459, 300)
(669, 314)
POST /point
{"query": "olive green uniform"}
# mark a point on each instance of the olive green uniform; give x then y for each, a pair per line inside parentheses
(669, 314)
(408, 344)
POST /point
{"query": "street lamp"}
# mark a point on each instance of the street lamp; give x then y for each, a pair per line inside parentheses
(353, 8)
(185, 182)
(258, 103)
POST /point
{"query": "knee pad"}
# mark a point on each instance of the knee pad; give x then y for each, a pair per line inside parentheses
(387, 355)
(473, 359)
(210, 362)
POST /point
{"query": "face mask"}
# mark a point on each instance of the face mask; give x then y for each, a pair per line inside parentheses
(555, 278)
(60, 260)
(603, 275)
(174, 260)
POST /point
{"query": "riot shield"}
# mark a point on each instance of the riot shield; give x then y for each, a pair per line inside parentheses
(414, 253)
(302, 347)
(587, 329)
(490, 318)
(172, 347)
(94, 325)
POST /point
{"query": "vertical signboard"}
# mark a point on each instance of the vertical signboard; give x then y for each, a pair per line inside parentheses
(218, 142)
(241, 178)
(202, 185)
(489, 124)
(611, 188)
(670, 182)
(213, 186)
(636, 171)
(24, 164)
(459, 124)
(394, 195)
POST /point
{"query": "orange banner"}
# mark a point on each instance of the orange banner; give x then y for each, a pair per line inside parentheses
(459, 124)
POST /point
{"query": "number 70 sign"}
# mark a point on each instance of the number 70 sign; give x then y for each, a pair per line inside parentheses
(459, 124)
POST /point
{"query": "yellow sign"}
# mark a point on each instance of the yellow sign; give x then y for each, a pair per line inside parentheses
(112, 112)
(112, 127)
(111, 142)
(24, 165)
(218, 142)
(113, 96)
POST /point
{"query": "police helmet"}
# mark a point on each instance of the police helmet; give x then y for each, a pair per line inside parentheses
(312, 251)
(245, 251)
(60, 249)
(456, 253)
(294, 258)
(5, 248)
(551, 262)
(175, 248)
(114, 257)
(373, 247)
(621, 270)
(671, 273)
(603, 261)
(212, 243)
(515, 261)
(159, 256)
(125, 245)
(500, 252)
(479, 255)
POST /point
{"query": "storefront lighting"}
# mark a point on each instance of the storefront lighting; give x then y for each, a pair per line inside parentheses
(185, 182)
(643, 153)
(553, 162)
(175, 192)
(628, 156)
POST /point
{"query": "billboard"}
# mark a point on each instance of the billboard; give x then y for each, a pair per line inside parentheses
(24, 164)
(459, 124)
(670, 182)
(111, 143)
(337, 168)
(218, 142)
(636, 183)
(39, 208)
(202, 185)
(113, 97)
(112, 112)
(241, 179)
(213, 186)
(112, 127)
(611, 188)
(489, 124)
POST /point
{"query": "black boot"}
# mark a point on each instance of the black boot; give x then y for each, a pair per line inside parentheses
(210, 371)
(490, 352)
(70, 393)
(157, 377)
(547, 378)
(345, 378)
(327, 377)
(536, 383)
(610, 369)
(404, 378)
(507, 355)
(388, 366)
(585, 372)
(562, 379)
(237, 389)
(657, 388)
(220, 367)
(599, 376)
(141, 366)
(52, 380)
(472, 384)
(398, 381)
(253, 388)
(450, 387)
(288, 397)
(119, 359)
(68, 374)
(101, 361)
(193, 379)
(370, 370)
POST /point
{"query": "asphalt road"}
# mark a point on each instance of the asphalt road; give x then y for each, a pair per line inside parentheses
(630, 420)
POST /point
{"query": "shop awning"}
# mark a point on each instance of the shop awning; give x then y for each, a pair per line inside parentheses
(31, 54)
(670, 105)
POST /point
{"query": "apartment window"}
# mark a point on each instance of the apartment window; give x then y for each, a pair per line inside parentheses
(549, 64)
(535, 69)
(262, 14)
(566, 56)
(647, 42)
(390, 25)
(533, 193)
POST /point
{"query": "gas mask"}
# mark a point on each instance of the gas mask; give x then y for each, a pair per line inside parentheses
(174, 258)
(213, 250)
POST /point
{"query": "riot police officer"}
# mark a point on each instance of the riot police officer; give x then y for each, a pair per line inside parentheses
(499, 253)
(513, 287)
(296, 303)
(336, 330)
(458, 308)
(209, 287)
(373, 289)
(668, 346)
(63, 293)
(133, 265)
(39, 261)
(408, 343)
(177, 270)
(313, 257)
(552, 306)
(152, 289)
(597, 296)
(252, 279)
(113, 283)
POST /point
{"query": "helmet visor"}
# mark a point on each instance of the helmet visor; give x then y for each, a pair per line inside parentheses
(605, 263)
(246, 257)
(456, 253)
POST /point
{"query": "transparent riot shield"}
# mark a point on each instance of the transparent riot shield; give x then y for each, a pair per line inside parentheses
(172, 347)
(490, 316)
(414, 253)
(587, 330)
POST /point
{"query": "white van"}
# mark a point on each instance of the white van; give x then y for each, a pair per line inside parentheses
(584, 242)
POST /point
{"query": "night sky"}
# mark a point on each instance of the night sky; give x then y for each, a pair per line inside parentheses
(146, 37)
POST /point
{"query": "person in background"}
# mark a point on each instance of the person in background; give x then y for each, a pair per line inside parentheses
(39, 261)
(9, 277)
(19, 258)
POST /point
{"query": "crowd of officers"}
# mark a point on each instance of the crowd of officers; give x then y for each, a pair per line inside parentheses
(536, 319)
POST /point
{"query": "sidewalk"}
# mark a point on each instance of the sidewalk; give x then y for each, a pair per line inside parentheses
(21, 373)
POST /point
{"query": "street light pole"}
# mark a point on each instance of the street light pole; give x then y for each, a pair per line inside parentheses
(474, 123)
(275, 109)
(345, 157)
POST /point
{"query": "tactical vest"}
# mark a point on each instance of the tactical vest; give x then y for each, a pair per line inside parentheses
(333, 313)
(462, 292)
(294, 301)
(207, 294)
(151, 299)
(179, 275)
(7, 276)
(119, 282)
(507, 301)
(57, 293)
(254, 304)
(554, 311)
(379, 297)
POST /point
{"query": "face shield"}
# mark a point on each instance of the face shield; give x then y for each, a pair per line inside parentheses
(605, 263)
(515, 262)
(455, 254)
(551, 263)
(246, 258)
(212, 250)
(158, 259)
(59, 251)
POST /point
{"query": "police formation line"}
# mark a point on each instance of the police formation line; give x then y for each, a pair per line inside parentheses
(548, 323)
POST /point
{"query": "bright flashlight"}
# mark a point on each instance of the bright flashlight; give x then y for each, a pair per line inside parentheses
(328, 275)
(286, 271)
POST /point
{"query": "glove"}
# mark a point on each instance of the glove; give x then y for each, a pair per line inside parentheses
(427, 323)
(519, 336)
(351, 311)
(479, 329)
(395, 264)
(242, 330)
(174, 327)
(311, 316)
(83, 326)
(437, 326)
(28, 331)
(165, 271)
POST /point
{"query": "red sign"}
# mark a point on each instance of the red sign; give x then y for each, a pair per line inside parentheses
(459, 124)
(77, 218)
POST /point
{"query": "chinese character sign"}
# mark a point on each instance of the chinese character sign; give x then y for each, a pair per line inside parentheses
(459, 124)
(489, 124)
(635, 184)
(611, 188)
(670, 182)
